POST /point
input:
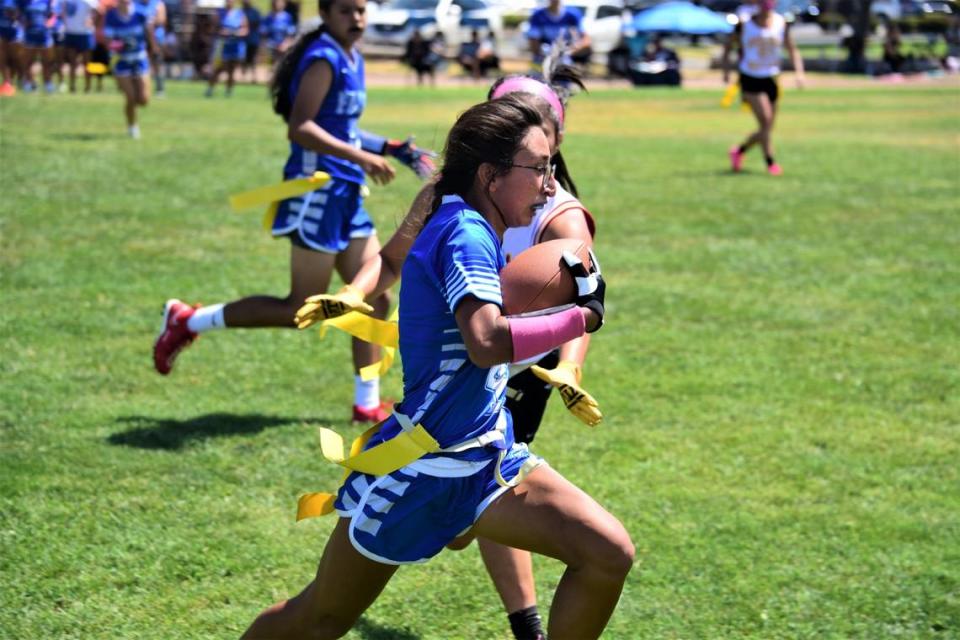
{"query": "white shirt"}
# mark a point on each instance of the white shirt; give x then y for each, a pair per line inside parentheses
(761, 47)
(78, 16)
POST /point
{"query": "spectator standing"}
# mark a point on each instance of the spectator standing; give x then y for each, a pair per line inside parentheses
(11, 47)
(39, 19)
(231, 47)
(155, 11)
(254, 19)
(79, 20)
(279, 30)
(556, 25)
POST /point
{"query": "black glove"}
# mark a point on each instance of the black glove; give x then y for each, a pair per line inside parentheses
(590, 285)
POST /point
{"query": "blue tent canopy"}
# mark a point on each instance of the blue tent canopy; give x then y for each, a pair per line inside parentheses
(681, 17)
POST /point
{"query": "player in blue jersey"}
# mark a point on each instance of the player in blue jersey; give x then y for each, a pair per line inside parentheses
(279, 30)
(556, 25)
(155, 12)
(455, 344)
(528, 389)
(39, 18)
(320, 90)
(11, 47)
(129, 33)
(231, 47)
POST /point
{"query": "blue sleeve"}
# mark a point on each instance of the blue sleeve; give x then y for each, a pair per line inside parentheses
(535, 26)
(372, 143)
(576, 19)
(469, 263)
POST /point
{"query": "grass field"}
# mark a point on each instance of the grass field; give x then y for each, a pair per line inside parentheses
(779, 371)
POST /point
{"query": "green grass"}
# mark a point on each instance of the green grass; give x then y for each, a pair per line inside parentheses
(779, 371)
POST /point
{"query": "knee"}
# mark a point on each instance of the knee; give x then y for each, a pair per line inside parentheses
(615, 557)
(461, 543)
(143, 101)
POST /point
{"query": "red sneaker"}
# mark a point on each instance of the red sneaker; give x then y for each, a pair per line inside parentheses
(736, 159)
(174, 335)
(774, 169)
(376, 414)
(7, 90)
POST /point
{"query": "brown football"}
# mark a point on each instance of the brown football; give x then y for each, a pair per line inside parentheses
(538, 279)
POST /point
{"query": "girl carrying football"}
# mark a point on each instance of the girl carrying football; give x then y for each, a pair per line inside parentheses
(529, 387)
(455, 344)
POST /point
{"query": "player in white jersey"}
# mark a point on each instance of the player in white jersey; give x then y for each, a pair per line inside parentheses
(80, 18)
(528, 389)
(454, 343)
(761, 40)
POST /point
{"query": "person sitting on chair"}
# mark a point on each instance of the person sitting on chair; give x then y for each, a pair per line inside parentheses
(478, 56)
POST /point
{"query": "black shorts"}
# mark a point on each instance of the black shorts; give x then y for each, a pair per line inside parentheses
(752, 84)
(251, 56)
(527, 397)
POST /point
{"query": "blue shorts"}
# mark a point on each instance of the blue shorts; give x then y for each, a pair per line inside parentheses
(128, 68)
(326, 219)
(11, 34)
(410, 515)
(38, 38)
(233, 51)
(79, 41)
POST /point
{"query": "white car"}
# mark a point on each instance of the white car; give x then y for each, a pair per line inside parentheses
(602, 21)
(449, 21)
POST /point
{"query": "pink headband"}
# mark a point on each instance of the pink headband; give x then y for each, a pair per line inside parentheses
(526, 84)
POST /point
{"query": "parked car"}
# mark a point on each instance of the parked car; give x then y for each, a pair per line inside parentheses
(449, 21)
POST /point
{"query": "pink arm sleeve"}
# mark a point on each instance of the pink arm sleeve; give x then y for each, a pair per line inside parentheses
(539, 334)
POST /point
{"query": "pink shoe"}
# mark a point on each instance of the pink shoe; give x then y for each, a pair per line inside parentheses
(174, 335)
(774, 169)
(376, 414)
(7, 90)
(736, 159)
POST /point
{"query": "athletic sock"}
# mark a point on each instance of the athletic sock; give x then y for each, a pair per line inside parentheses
(207, 319)
(770, 160)
(526, 624)
(366, 393)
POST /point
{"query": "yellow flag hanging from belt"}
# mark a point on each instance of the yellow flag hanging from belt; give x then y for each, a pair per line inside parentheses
(373, 330)
(271, 195)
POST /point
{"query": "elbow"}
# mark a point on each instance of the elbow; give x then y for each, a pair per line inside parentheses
(486, 353)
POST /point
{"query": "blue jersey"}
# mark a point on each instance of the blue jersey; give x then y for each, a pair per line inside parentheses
(547, 28)
(34, 14)
(231, 22)
(131, 31)
(277, 27)
(457, 254)
(147, 7)
(10, 26)
(339, 112)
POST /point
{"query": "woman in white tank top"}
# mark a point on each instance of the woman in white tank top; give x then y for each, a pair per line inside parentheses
(762, 39)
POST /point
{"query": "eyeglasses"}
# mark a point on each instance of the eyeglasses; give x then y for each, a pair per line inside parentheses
(545, 172)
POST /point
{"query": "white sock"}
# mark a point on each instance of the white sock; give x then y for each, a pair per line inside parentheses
(366, 393)
(207, 319)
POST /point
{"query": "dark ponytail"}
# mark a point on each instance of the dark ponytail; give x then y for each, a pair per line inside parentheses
(490, 132)
(280, 84)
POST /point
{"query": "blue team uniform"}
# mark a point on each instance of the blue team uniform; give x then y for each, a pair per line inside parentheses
(233, 48)
(411, 514)
(10, 28)
(35, 14)
(131, 60)
(276, 28)
(548, 28)
(327, 219)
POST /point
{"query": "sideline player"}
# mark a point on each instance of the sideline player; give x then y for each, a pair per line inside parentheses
(80, 17)
(232, 29)
(129, 33)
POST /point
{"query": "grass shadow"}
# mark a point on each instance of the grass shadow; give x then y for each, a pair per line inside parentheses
(371, 631)
(82, 137)
(172, 435)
